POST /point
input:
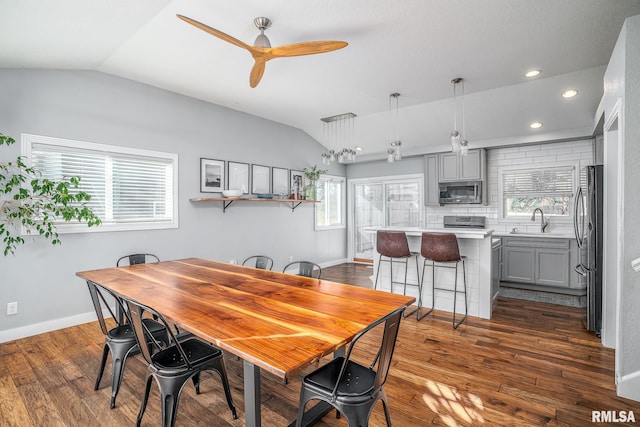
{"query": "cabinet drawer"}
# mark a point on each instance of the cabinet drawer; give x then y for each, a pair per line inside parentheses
(535, 242)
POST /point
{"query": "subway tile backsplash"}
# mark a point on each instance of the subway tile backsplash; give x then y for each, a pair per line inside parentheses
(581, 151)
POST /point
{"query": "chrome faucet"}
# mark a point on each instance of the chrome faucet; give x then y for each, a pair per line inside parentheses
(543, 224)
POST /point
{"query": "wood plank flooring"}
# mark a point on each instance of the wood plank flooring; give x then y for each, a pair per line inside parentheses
(533, 364)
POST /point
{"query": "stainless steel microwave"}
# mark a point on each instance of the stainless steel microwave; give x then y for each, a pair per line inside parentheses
(460, 192)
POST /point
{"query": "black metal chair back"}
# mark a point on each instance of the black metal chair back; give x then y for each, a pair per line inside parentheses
(259, 261)
(305, 268)
(173, 363)
(335, 383)
(120, 339)
(134, 259)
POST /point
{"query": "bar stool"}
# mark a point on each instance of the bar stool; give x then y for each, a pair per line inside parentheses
(393, 245)
(442, 248)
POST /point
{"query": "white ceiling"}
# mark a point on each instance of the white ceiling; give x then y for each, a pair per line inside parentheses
(414, 47)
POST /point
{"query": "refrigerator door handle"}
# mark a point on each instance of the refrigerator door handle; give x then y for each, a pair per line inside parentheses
(580, 269)
(577, 212)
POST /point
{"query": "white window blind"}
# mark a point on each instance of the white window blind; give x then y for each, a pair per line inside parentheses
(539, 182)
(130, 188)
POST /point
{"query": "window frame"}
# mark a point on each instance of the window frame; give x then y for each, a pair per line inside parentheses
(343, 199)
(27, 142)
(568, 219)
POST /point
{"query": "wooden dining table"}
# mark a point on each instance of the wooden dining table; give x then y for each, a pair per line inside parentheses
(278, 322)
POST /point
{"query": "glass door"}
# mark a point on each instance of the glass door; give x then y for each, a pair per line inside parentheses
(368, 212)
(383, 203)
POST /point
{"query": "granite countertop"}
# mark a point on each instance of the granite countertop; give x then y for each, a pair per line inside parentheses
(461, 233)
(549, 235)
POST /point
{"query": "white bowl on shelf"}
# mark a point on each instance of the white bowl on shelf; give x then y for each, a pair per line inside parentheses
(232, 193)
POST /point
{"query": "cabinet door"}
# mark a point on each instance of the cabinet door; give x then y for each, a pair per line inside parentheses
(449, 163)
(471, 166)
(552, 267)
(431, 187)
(495, 272)
(517, 264)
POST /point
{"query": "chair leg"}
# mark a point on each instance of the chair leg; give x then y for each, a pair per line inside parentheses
(196, 382)
(433, 290)
(455, 293)
(105, 353)
(218, 366)
(406, 268)
(145, 398)
(119, 355)
(375, 285)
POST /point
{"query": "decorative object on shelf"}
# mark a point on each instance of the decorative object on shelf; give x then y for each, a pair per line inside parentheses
(238, 176)
(36, 203)
(458, 141)
(232, 193)
(211, 175)
(297, 184)
(260, 179)
(339, 132)
(394, 153)
(312, 174)
(280, 182)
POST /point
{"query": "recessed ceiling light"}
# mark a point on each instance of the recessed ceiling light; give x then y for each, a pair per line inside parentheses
(569, 93)
(358, 148)
(532, 73)
(535, 125)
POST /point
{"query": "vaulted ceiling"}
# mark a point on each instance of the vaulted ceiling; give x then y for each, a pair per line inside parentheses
(413, 47)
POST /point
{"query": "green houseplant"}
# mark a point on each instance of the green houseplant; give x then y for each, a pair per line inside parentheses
(312, 174)
(35, 203)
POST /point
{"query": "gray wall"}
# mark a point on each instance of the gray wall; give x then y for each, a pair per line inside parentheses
(408, 166)
(99, 108)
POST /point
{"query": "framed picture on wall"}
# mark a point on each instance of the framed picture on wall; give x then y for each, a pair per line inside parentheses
(297, 183)
(238, 176)
(260, 179)
(280, 182)
(211, 175)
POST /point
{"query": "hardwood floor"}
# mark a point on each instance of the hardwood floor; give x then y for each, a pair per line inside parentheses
(533, 364)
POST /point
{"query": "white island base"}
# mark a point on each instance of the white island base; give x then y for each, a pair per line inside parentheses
(475, 245)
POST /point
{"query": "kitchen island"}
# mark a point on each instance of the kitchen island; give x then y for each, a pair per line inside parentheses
(474, 244)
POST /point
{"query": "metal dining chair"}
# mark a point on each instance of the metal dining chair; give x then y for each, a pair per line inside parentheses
(173, 363)
(259, 261)
(304, 268)
(351, 388)
(120, 340)
(134, 259)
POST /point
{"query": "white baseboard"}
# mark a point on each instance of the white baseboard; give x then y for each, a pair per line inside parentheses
(334, 262)
(48, 326)
(629, 386)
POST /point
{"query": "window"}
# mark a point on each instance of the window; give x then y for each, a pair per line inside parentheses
(130, 189)
(330, 209)
(549, 188)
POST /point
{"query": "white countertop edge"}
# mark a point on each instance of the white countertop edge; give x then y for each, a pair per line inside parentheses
(535, 235)
(462, 233)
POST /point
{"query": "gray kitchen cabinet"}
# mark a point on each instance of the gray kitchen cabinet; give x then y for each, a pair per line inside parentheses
(539, 261)
(431, 188)
(518, 264)
(456, 167)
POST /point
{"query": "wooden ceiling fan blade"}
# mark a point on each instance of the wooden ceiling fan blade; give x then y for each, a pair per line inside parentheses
(306, 48)
(216, 33)
(257, 71)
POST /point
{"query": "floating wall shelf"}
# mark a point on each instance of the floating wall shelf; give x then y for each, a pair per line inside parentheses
(226, 201)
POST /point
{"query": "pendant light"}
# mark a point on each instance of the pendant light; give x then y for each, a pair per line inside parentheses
(459, 143)
(339, 130)
(394, 153)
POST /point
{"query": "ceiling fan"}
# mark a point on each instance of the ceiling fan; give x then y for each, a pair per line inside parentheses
(262, 51)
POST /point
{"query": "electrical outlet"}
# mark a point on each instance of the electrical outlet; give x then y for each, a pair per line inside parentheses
(12, 308)
(290, 258)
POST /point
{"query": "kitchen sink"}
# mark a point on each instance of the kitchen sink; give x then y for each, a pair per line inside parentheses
(539, 234)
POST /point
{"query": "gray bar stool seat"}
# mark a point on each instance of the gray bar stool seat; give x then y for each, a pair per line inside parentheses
(394, 247)
(441, 249)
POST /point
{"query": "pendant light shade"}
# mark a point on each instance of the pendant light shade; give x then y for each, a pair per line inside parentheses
(394, 153)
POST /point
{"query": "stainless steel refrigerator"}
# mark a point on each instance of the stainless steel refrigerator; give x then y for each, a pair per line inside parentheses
(587, 221)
